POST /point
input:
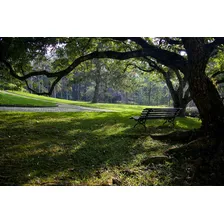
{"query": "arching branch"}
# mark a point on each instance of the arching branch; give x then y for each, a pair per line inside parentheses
(167, 58)
(172, 41)
(76, 62)
(220, 81)
(142, 69)
(152, 64)
(217, 73)
(44, 93)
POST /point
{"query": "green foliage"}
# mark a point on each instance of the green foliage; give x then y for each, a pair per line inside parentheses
(215, 63)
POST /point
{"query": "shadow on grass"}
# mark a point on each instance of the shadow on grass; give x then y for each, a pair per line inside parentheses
(57, 151)
(68, 148)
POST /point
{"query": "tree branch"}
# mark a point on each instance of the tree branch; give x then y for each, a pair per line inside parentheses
(154, 65)
(211, 47)
(96, 54)
(220, 81)
(76, 62)
(172, 41)
(216, 74)
(142, 69)
(218, 40)
(44, 93)
(167, 58)
(187, 96)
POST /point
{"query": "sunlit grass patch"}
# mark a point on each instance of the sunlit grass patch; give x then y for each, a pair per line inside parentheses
(13, 100)
(188, 123)
(136, 109)
(80, 148)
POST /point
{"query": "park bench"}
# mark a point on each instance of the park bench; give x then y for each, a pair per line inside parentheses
(168, 114)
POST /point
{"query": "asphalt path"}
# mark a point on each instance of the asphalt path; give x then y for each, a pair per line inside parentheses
(60, 108)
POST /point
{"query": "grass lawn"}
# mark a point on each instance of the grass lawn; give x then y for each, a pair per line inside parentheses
(13, 100)
(84, 148)
(115, 107)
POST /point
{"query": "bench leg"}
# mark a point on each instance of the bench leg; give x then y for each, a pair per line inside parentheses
(170, 121)
(142, 122)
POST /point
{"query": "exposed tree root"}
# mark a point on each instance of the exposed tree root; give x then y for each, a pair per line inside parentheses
(194, 148)
(180, 136)
(200, 162)
(155, 160)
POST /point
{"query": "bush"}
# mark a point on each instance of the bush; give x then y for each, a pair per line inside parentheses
(192, 112)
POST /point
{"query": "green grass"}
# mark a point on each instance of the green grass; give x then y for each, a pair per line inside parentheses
(81, 148)
(13, 100)
(114, 107)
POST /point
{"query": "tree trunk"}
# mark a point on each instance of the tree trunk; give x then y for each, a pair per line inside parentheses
(73, 92)
(180, 104)
(126, 97)
(179, 101)
(85, 90)
(96, 92)
(78, 91)
(149, 92)
(202, 90)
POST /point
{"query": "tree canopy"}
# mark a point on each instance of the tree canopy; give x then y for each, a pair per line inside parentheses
(187, 56)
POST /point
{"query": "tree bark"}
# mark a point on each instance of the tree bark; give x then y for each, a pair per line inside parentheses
(202, 90)
(149, 92)
(96, 92)
(179, 101)
(97, 81)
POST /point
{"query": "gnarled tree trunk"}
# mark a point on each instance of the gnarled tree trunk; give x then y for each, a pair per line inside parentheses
(180, 100)
(203, 91)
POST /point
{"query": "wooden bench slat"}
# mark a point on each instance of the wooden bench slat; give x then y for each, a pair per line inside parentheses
(169, 114)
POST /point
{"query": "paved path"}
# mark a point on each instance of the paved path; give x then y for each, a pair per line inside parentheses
(59, 108)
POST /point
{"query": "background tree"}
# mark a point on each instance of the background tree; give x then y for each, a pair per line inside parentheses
(175, 81)
(166, 51)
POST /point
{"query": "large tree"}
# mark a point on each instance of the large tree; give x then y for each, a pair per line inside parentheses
(179, 90)
(166, 51)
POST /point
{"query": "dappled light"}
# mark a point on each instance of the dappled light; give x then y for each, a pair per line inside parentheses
(75, 149)
(111, 111)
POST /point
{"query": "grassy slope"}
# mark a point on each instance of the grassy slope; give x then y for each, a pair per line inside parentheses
(12, 100)
(115, 107)
(80, 149)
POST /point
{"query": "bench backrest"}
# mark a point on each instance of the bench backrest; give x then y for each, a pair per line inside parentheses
(160, 112)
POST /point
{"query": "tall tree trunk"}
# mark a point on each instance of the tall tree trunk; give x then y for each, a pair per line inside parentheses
(149, 93)
(202, 90)
(97, 81)
(85, 90)
(73, 91)
(96, 91)
(181, 103)
(78, 91)
(177, 97)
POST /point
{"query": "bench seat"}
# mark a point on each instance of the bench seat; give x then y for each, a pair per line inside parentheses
(168, 114)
